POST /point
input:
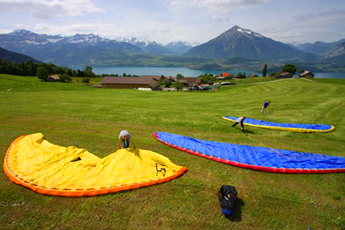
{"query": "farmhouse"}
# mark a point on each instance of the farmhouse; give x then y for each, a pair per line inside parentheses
(53, 78)
(190, 81)
(128, 82)
(307, 74)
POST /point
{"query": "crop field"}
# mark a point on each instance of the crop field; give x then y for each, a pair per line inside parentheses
(75, 114)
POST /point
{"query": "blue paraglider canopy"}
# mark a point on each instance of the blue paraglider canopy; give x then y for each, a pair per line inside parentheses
(302, 128)
(257, 158)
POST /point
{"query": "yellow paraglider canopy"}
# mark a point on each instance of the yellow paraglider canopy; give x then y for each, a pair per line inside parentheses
(50, 169)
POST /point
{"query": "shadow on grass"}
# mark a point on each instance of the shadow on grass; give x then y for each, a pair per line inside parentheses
(247, 131)
(237, 217)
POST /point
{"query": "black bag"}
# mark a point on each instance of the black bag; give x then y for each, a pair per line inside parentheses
(227, 196)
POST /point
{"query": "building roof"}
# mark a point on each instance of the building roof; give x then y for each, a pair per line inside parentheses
(306, 72)
(126, 80)
(55, 77)
(225, 74)
(190, 80)
(156, 77)
(285, 73)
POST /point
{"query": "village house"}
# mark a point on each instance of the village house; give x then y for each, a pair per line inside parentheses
(53, 78)
(252, 75)
(190, 81)
(225, 75)
(128, 82)
(307, 74)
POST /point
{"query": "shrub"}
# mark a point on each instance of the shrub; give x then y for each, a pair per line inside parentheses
(65, 78)
(42, 73)
(86, 80)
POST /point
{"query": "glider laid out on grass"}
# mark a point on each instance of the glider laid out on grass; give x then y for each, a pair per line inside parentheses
(50, 169)
(257, 158)
(300, 128)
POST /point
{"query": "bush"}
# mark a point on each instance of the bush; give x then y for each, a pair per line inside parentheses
(65, 78)
(177, 85)
(86, 80)
(42, 73)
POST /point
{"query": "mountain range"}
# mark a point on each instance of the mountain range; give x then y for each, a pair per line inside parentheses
(236, 43)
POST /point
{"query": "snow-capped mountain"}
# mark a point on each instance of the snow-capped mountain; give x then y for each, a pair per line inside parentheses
(80, 48)
(147, 46)
(179, 47)
(85, 38)
(135, 41)
(239, 42)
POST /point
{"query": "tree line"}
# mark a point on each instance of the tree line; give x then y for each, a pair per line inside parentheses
(42, 70)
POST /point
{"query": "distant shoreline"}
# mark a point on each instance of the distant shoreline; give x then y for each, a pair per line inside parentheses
(173, 71)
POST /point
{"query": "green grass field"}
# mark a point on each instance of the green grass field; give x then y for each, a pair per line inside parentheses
(76, 114)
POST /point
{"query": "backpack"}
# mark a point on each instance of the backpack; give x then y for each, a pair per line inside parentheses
(227, 196)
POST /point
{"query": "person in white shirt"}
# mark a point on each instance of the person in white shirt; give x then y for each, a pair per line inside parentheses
(124, 139)
(239, 121)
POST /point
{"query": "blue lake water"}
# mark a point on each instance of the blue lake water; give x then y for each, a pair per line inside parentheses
(173, 71)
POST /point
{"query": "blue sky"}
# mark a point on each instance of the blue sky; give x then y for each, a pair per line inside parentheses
(186, 20)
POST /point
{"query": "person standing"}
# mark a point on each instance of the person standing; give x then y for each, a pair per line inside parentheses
(125, 139)
(264, 107)
(239, 121)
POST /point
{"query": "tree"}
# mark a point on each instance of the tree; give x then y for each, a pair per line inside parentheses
(167, 82)
(86, 80)
(42, 73)
(206, 78)
(264, 71)
(179, 76)
(177, 85)
(289, 68)
(240, 75)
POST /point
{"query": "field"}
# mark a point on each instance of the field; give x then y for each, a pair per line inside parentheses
(75, 114)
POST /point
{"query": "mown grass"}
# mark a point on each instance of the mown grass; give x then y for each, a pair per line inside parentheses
(76, 114)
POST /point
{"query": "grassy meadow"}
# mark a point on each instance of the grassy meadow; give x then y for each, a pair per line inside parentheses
(79, 115)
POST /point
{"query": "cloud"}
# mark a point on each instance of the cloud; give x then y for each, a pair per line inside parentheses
(219, 5)
(50, 8)
(220, 18)
(326, 25)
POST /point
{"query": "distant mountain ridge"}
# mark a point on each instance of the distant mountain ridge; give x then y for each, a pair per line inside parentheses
(239, 42)
(172, 48)
(80, 49)
(319, 48)
(15, 57)
(336, 55)
(147, 46)
(179, 47)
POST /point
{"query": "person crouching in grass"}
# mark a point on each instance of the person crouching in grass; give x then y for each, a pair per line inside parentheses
(125, 139)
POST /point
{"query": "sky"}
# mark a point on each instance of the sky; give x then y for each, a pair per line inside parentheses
(163, 21)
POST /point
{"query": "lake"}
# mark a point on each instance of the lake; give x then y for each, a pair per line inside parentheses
(173, 71)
